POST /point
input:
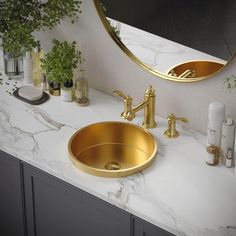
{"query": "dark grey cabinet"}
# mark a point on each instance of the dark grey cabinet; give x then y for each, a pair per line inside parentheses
(143, 228)
(54, 207)
(34, 203)
(11, 197)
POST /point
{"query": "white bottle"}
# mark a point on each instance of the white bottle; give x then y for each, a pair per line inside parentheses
(28, 69)
(216, 116)
(227, 138)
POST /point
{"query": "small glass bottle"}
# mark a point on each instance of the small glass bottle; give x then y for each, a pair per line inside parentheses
(67, 91)
(37, 55)
(82, 89)
(212, 155)
(229, 158)
(44, 84)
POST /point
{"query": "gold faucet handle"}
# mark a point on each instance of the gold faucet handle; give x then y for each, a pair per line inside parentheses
(182, 119)
(127, 113)
(171, 132)
(172, 118)
(125, 98)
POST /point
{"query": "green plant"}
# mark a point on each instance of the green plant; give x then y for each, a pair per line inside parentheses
(103, 7)
(230, 82)
(19, 19)
(60, 62)
(115, 26)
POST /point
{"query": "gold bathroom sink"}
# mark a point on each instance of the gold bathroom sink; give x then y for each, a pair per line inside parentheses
(195, 69)
(112, 149)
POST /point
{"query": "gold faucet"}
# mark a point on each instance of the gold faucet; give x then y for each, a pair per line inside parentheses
(189, 73)
(148, 104)
(171, 132)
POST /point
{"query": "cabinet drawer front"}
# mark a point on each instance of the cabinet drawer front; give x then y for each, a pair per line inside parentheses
(56, 208)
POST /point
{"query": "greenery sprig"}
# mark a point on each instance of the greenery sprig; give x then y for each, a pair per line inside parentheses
(103, 7)
(20, 18)
(55, 10)
(230, 82)
(60, 62)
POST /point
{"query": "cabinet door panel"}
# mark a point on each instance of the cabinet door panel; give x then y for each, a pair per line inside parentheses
(56, 208)
(11, 197)
(143, 228)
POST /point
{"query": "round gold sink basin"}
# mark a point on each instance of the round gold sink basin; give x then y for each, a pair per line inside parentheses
(195, 69)
(112, 149)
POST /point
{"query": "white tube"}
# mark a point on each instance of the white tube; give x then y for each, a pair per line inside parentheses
(216, 116)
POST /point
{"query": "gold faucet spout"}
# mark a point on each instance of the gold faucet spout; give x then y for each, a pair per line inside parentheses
(140, 106)
(148, 105)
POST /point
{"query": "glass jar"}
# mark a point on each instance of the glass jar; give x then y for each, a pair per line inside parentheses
(13, 66)
(67, 91)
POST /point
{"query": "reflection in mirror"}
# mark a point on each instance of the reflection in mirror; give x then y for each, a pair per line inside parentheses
(164, 33)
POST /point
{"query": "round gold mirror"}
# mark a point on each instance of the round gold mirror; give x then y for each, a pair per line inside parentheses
(183, 41)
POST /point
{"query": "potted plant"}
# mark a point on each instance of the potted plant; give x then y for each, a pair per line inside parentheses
(20, 19)
(59, 64)
(230, 82)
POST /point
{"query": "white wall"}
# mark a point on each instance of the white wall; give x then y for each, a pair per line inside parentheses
(109, 68)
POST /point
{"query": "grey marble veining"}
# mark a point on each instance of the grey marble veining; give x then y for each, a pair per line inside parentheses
(178, 192)
(159, 53)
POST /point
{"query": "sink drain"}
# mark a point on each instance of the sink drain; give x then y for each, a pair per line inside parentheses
(112, 166)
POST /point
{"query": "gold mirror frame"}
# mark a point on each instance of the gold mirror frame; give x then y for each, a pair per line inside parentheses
(142, 64)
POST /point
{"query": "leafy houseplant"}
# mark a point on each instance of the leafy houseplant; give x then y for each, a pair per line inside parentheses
(60, 62)
(20, 18)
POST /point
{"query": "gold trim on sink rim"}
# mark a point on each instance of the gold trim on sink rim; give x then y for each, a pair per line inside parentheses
(112, 149)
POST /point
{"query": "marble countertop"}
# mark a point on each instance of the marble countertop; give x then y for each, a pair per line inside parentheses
(178, 192)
